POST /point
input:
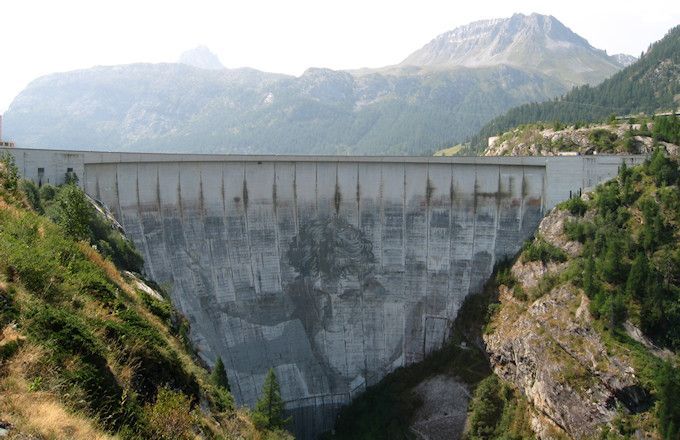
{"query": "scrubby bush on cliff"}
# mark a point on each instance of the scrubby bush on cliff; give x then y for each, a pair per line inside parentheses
(497, 412)
(575, 205)
(170, 417)
(541, 250)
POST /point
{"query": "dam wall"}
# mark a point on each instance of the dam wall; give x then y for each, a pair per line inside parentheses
(334, 271)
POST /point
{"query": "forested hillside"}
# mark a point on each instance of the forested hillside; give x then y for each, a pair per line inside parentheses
(88, 349)
(650, 84)
(589, 316)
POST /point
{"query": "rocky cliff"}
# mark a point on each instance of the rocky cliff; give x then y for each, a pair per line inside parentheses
(551, 350)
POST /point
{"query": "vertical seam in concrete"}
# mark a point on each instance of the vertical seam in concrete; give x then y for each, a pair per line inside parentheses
(450, 259)
(403, 255)
(361, 287)
(120, 209)
(497, 218)
(159, 206)
(246, 227)
(231, 275)
(474, 232)
(316, 189)
(141, 223)
(381, 212)
(428, 202)
(544, 189)
(209, 241)
(97, 189)
(295, 200)
(277, 234)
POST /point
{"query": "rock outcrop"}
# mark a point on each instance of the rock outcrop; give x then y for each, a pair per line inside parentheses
(551, 350)
(537, 140)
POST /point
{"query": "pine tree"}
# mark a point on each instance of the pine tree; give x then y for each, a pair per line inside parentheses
(612, 265)
(589, 285)
(635, 285)
(219, 375)
(669, 406)
(269, 409)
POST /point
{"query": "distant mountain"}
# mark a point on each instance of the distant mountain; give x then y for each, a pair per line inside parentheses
(624, 59)
(427, 102)
(533, 41)
(202, 58)
(650, 84)
(173, 107)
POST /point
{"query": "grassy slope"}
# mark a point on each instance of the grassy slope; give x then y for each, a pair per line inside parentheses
(84, 353)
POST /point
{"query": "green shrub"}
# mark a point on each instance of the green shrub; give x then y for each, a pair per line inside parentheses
(663, 169)
(30, 190)
(667, 128)
(540, 250)
(170, 417)
(575, 205)
(162, 309)
(519, 293)
(73, 212)
(505, 277)
(9, 173)
(603, 139)
(498, 412)
(579, 230)
(47, 193)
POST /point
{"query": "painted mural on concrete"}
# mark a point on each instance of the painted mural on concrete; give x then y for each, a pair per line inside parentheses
(333, 273)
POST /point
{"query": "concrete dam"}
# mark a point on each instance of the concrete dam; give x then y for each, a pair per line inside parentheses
(332, 270)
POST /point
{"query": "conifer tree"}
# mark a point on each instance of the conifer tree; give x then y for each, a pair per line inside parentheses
(219, 375)
(635, 285)
(589, 285)
(269, 409)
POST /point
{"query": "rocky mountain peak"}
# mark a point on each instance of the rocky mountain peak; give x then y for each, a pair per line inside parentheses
(624, 59)
(202, 58)
(533, 41)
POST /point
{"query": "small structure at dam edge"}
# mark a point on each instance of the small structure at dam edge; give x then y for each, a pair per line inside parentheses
(332, 270)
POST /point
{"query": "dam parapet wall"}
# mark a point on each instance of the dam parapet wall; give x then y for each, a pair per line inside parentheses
(332, 270)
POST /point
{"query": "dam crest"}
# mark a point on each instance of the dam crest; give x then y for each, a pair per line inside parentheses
(332, 270)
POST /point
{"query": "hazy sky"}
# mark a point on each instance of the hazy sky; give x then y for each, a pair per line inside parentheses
(41, 37)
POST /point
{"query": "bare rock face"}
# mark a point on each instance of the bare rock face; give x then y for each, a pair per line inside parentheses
(559, 362)
(552, 230)
(551, 351)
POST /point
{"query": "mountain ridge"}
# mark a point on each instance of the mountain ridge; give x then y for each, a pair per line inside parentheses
(176, 107)
(533, 41)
